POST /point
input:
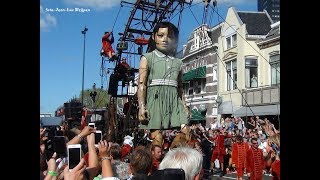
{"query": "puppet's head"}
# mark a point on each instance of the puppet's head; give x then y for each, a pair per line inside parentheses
(164, 38)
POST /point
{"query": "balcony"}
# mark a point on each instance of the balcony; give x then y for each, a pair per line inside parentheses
(261, 96)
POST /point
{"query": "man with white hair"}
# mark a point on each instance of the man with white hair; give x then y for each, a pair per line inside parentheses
(186, 158)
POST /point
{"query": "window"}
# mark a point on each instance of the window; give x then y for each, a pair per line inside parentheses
(275, 69)
(231, 75)
(203, 85)
(231, 37)
(231, 41)
(214, 111)
(214, 76)
(197, 86)
(185, 88)
(191, 88)
(251, 73)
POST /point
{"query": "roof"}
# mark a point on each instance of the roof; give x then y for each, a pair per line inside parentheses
(274, 32)
(257, 23)
(213, 33)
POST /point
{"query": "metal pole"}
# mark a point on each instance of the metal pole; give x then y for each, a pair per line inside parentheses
(84, 53)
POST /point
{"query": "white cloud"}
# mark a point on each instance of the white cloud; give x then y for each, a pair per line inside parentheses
(95, 4)
(46, 20)
(229, 2)
(105, 4)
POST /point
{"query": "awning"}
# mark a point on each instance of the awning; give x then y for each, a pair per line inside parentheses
(51, 121)
(258, 110)
(195, 74)
(227, 107)
(196, 115)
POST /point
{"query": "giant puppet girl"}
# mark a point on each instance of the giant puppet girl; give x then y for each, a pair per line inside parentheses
(160, 93)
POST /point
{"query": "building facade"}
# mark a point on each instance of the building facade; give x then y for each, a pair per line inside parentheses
(272, 7)
(244, 70)
(200, 73)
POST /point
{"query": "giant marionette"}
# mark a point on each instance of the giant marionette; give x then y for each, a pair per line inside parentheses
(160, 93)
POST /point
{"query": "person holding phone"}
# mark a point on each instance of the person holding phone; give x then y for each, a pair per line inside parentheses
(104, 156)
(83, 134)
(52, 170)
(78, 172)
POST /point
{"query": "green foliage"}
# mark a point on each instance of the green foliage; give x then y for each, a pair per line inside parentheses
(101, 99)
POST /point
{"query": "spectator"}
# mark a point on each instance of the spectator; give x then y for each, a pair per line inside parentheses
(104, 156)
(120, 169)
(156, 152)
(186, 158)
(140, 163)
(275, 168)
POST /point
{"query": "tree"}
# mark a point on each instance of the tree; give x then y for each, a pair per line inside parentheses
(101, 99)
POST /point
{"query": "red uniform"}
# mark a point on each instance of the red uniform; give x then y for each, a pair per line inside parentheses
(83, 118)
(106, 44)
(155, 165)
(275, 170)
(239, 156)
(125, 150)
(219, 149)
(255, 163)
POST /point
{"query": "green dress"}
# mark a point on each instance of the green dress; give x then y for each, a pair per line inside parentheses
(163, 103)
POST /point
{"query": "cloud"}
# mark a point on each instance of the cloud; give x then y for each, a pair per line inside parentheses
(229, 2)
(46, 20)
(95, 4)
(105, 4)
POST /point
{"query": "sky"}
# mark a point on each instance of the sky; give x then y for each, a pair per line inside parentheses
(62, 44)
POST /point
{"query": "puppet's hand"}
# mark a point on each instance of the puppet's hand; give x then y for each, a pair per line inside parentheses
(143, 113)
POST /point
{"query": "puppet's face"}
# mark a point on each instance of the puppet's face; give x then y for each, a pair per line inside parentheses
(166, 43)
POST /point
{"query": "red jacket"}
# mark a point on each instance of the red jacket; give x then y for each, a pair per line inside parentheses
(255, 163)
(275, 170)
(219, 145)
(239, 154)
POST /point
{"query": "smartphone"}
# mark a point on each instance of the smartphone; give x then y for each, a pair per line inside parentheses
(48, 148)
(97, 137)
(59, 146)
(74, 155)
(93, 125)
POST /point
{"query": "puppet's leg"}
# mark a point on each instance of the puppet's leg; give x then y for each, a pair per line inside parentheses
(157, 138)
(182, 138)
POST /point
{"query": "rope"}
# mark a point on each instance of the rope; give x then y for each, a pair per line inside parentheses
(116, 17)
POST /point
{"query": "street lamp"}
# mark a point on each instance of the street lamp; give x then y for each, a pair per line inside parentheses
(84, 53)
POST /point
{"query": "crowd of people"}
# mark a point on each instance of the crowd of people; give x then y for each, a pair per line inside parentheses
(230, 146)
